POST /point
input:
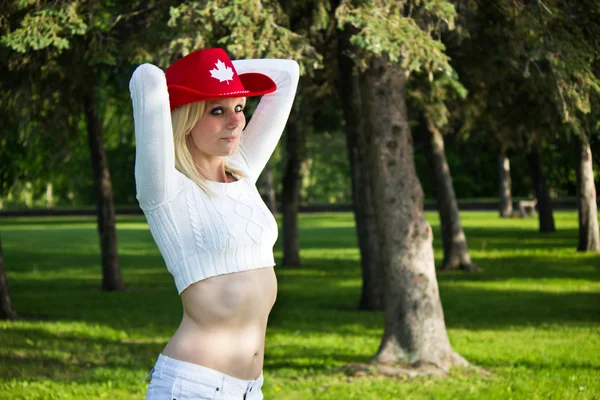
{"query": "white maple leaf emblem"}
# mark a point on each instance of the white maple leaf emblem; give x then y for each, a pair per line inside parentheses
(222, 72)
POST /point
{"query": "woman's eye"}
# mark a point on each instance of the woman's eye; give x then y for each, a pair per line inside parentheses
(220, 111)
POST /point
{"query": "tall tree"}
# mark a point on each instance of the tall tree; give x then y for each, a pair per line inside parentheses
(105, 206)
(298, 125)
(537, 64)
(7, 310)
(73, 44)
(542, 191)
(456, 251)
(310, 21)
(589, 235)
(371, 297)
(504, 185)
(389, 45)
(269, 189)
(432, 98)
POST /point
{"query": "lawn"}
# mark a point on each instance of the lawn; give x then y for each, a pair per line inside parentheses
(532, 318)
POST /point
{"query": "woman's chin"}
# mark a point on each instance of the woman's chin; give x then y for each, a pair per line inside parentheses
(228, 151)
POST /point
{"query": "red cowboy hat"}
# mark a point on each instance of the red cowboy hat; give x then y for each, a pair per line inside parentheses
(209, 74)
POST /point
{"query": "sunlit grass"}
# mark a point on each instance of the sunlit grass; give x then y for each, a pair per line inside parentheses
(532, 318)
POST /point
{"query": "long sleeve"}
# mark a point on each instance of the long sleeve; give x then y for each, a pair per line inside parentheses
(259, 139)
(155, 173)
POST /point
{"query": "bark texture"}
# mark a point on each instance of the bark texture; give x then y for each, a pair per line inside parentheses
(270, 189)
(587, 208)
(105, 207)
(364, 215)
(456, 251)
(505, 186)
(7, 310)
(415, 331)
(542, 192)
(295, 146)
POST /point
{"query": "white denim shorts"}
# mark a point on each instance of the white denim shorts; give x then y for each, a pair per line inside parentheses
(179, 380)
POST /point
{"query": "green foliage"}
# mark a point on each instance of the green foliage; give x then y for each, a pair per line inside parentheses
(246, 29)
(529, 71)
(327, 179)
(46, 27)
(384, 27)
(530, 319)
(531, 68)
(432, 97)
(53, 53)
(569, 49)
(409, 32)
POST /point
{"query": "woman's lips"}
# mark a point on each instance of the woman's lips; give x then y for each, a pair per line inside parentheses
(230, 138)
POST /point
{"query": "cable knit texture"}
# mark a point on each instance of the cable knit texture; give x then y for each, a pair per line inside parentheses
(200, 236)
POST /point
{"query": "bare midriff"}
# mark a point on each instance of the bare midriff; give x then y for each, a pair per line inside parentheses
(224, 322)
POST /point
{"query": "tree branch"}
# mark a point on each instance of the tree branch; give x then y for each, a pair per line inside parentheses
(544, 7)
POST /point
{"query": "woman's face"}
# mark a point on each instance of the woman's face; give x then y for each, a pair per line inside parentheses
(218, 131)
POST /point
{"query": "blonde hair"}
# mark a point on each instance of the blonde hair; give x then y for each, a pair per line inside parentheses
(183, 119)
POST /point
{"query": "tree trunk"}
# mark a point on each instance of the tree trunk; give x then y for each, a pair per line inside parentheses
(7, 310)
(505, 186)
(364, 216)
(105, 207)
(49, 195)
(270, 189)
(415, 331)
(456, 251)
(295, 146)
(587, 208)
(542, 192)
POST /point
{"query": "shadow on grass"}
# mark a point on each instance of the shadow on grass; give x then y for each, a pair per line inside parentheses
(525, 267)
(323, 295)
(305, 358)
(35, 353)
(528, 267)
(477, 308)
(502, 238)
(56, 275)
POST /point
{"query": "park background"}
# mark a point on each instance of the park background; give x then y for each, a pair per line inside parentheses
(501, 106)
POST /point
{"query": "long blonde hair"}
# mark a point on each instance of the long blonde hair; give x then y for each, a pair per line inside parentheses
(183, 119)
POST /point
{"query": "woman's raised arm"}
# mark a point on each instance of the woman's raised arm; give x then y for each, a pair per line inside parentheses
(155, 176)
(260, 137)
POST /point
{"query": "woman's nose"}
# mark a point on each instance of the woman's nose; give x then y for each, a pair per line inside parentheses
(235, 120)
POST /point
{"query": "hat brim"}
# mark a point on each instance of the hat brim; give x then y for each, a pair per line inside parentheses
(255, 84)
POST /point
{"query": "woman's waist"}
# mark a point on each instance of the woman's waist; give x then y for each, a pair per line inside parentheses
(238, 351)
(220, 338)
(236, 300)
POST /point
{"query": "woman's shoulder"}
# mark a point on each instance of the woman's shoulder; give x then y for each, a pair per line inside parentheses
(238, 162)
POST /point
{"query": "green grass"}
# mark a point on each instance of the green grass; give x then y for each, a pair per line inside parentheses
(532, 319)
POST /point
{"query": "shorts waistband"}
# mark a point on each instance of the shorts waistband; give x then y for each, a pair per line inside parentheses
(226, 384)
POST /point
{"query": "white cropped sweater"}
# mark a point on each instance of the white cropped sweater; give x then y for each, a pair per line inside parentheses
(200, 236)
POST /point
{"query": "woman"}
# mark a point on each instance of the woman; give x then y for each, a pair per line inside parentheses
(196, 169)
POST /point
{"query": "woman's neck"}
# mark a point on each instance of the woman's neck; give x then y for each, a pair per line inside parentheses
(213, 169)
